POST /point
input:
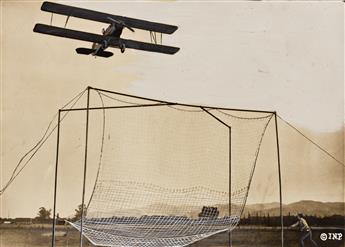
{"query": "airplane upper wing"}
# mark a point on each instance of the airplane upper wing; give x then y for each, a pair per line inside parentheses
(103, 17)
(91, 37)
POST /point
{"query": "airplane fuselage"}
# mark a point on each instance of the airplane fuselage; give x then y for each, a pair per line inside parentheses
(114, 30)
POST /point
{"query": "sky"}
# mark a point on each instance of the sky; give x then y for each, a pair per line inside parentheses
(277, 56)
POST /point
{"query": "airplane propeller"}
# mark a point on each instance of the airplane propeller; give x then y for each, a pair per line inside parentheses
(121, 23)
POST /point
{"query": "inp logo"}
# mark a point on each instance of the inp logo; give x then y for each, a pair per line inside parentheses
(331, 236)
(323, 236)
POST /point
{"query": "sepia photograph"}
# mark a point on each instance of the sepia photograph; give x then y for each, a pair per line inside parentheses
(172, 123)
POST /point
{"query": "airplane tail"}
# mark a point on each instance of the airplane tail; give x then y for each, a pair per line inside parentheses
(87, 51)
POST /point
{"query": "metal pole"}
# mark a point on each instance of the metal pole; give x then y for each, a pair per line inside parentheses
(230, 206)
(55, 182)
(85, 166)
(188, 105)
(280, 183)
(116, 107)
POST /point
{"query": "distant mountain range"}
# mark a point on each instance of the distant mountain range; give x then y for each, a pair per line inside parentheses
(306, 207)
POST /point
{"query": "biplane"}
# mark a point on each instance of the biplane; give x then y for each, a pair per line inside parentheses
(111, 36)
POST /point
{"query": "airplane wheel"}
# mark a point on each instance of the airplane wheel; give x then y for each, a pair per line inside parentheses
(104, 44)
(123, 48)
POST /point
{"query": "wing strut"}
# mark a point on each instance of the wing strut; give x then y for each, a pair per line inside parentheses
(154, 39)
(67, 20)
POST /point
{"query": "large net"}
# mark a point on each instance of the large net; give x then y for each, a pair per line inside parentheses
(169, 174)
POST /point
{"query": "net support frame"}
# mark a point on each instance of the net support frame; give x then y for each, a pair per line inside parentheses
(229, 130)
(85, 164)
(230, 179)
(56, 177)
(158, 103)
(280, 181)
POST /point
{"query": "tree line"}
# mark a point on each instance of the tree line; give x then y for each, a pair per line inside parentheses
(44, 215)
(313, 220)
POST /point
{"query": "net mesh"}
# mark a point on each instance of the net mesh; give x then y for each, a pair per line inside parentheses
(170, 174)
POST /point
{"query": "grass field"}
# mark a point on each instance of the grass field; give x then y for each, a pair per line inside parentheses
(30, 236)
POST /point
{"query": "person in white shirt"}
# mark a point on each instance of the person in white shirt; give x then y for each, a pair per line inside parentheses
(305, 229)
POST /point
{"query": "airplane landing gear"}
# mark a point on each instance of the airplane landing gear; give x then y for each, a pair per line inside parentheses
(122, 48)
(105, 44)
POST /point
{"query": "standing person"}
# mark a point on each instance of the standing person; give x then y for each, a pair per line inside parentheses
(305, 229)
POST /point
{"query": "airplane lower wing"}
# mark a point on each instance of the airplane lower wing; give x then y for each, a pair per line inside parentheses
(138, 45)
(96, 38)
(68, 33)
